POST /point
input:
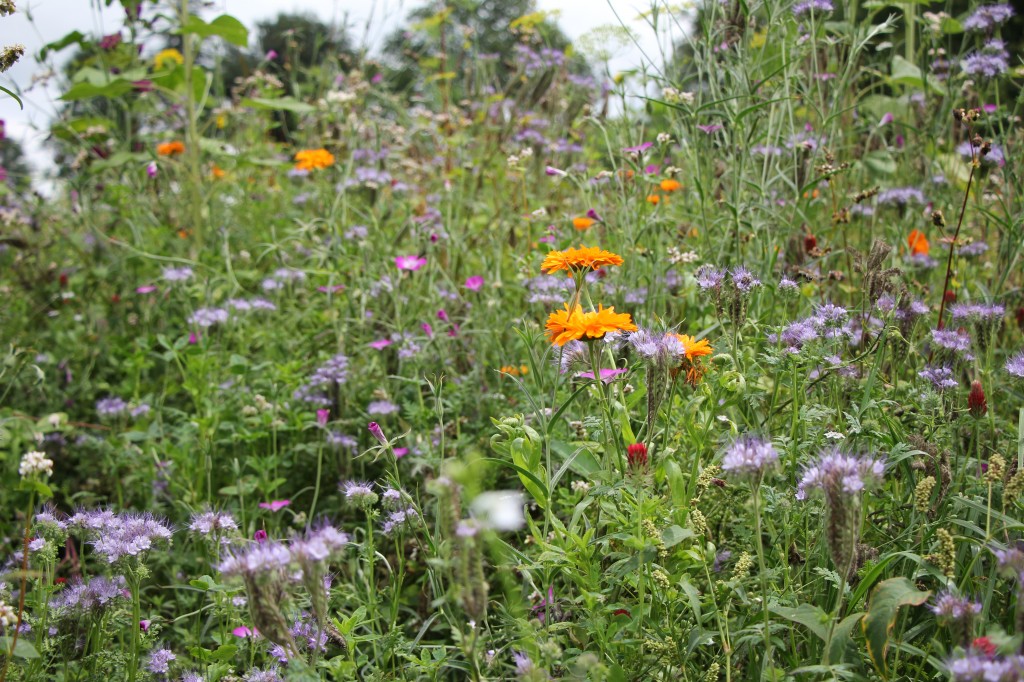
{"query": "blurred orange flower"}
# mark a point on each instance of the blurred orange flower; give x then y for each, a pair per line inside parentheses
(582, 223)
(170, 148)
(918, 243)
(670, 185)
(653, 199)
(583, 258)
(313, 159)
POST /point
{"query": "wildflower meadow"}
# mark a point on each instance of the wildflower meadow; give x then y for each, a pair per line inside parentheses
(473, 358)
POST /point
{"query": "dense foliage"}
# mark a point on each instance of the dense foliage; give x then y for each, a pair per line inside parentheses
(502, 370)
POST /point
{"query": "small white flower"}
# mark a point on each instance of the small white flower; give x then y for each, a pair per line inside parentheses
(834, 435)
(499, 509)
(35, 462)
(8, 616)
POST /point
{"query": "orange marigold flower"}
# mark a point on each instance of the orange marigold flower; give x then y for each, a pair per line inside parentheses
(918, 243)
(313, 159)
(571, 325)
(582, 223)
(170, 148)
(216, 172)
(583, 258)
(670, 185)
(692, 347)
(653, 199)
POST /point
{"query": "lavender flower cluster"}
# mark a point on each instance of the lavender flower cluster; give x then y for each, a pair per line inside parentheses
(327, 376)
(750, 455)
(838, 472)
(120, 536)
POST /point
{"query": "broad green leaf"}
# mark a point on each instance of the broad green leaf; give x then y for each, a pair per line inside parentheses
(281, 104)
(906, 73)
(885, 601)
(842, 638)
(22, 648)
(73, 38)
(880, 163)
(811, 617)
(673, 535)
(86, 90)
(224, 26)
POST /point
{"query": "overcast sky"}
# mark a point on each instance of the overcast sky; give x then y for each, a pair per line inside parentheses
(39, 22)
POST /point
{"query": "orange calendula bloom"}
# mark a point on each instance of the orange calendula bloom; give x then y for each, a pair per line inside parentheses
(170, 148)
(653, 199)
(670, 185)
(313, 159)
(694, 348)
(582, 223)
(583, 258)
(918, 243)
(571, 325)
(216, 172)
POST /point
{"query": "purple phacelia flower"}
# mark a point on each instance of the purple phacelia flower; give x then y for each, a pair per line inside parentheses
(749, 455)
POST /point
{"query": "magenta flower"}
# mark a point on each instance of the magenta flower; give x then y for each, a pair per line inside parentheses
(193, 339)
(145, 289)
(151, 169)
(475, 283)
(410, 263)
(143, 85)
(651, 168)
(607, 374)
(377, 432)
(592, 214)
(427, 329)
(244, 631)
(144, 625)
(275, 505)
(442, 315)
(322, 416)
(380, 344)
(260, 536)
(401, 452)
(551, 170)
(331, 290)
(636, 149)
(710, 128)
(271, 55)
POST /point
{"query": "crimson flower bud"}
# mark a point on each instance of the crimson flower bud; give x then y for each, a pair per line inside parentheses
(636, 455)
(976, 402)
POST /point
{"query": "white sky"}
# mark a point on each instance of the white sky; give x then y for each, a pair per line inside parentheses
(39, 22)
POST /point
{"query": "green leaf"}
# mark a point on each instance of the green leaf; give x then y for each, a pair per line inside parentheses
(86, 90)
(906, 73)
(842, 638)
(73, 38)
(880, 163)
(224, 26)
(38, 487)
(811, 617)
(885, 601)
(13, 95)
(673, 535)
(22, 649)
(281, 104)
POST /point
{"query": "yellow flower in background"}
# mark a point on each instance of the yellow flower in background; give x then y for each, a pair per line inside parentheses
(312, 159)
(168, 55)
(222, 121)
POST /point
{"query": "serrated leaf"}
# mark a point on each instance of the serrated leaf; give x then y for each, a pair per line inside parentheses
(885, 601)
